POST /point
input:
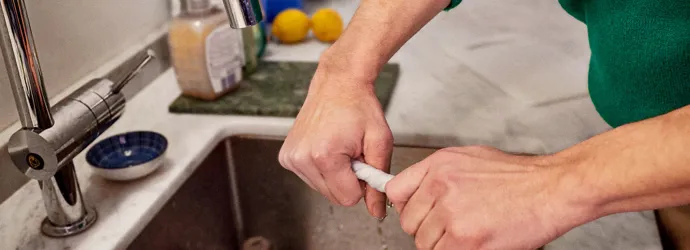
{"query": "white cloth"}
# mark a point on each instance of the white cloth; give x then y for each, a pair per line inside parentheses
(372, 176)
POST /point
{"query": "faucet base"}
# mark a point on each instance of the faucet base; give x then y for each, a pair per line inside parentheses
(63, 231)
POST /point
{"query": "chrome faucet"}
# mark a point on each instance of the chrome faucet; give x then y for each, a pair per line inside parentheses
(243, 13)
(50, 138)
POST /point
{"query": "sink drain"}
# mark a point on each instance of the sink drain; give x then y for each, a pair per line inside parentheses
(257, 243)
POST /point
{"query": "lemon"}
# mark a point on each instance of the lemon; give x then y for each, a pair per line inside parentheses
(327, 25)
(291, 26)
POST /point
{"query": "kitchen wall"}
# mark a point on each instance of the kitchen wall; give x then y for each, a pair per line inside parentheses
(175, 5)
(74, 37)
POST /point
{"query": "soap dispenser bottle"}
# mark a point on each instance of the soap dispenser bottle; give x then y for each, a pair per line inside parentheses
(207, 55)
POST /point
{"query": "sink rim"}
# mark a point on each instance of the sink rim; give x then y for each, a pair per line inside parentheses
(143, 199)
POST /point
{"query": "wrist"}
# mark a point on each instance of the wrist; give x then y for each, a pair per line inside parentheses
(348, 66)
(580, 200)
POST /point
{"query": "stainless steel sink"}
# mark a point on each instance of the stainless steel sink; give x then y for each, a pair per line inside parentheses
(240, 192)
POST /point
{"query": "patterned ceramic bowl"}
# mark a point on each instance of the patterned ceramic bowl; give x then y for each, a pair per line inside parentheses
(128, 156)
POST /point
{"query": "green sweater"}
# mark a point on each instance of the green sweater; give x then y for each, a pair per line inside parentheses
(640, 64)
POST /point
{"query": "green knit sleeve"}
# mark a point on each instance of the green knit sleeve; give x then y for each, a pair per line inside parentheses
(452, 4)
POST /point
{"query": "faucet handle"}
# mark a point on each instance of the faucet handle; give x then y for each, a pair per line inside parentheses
(141, 60)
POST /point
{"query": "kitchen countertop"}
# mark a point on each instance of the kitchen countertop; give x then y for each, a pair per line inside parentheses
(472, 103)
(125, 208)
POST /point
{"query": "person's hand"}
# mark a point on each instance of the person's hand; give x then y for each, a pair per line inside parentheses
(481, 198)
(341, 120)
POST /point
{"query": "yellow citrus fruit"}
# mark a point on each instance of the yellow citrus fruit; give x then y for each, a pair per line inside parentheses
(327, 25)
(291, 26)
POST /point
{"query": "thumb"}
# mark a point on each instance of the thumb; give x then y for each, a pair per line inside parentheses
(377, 151)
(401, 188)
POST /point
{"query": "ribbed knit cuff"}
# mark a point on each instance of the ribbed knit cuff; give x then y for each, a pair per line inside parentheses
(452, 4)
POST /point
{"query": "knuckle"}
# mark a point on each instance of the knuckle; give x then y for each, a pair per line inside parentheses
(457, 233)
(438, 185)
(300, 157)
(320, 156)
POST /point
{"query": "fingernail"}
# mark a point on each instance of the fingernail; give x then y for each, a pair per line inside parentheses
(380, 219)
(378, 206)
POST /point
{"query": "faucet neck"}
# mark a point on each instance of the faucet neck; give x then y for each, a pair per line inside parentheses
(23, 67)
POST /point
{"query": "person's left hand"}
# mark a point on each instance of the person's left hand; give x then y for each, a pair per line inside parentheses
(481, 198)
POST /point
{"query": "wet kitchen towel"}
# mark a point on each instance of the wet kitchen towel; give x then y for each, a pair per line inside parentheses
(377, 179)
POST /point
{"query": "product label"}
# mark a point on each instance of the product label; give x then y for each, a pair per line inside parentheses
(224, 58)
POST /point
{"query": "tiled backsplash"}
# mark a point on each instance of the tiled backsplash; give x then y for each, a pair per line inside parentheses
(75, 37)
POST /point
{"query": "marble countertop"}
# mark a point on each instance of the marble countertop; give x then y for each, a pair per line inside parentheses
(125, 208)
(525, 94)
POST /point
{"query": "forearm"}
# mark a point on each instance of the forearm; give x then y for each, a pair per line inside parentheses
(640, 166)
(377, 30)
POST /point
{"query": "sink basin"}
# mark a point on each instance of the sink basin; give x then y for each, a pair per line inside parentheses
(10, 179)
(241, 192)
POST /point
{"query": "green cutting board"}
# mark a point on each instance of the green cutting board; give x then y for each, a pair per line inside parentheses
(275, 89)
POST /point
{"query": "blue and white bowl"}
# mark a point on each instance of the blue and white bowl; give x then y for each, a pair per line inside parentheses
(127, 156)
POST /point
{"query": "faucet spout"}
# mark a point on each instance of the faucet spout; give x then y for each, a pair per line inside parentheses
(23, 68)
(243, 13)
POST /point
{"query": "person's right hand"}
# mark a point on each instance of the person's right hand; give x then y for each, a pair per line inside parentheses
(341, 120)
